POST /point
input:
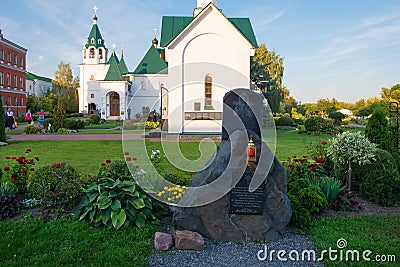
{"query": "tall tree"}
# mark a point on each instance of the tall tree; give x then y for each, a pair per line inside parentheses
(267, 73)
(391, 94)
(66, 86)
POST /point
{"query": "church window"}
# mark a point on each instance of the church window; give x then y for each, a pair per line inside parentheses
(99, 41)
(197, 106)
(92, 41)
(84, 53)
(92, 77)
(91, 95)
(15, 60)
(1, 78)
(91, 55)
(143, 86)
(208, 91)
(100, 53)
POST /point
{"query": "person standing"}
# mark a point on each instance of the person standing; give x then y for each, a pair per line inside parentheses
(10, 119)
(41, 118)
(28, 116)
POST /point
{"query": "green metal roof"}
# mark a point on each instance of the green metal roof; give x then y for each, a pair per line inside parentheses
(122, 66)
(152, 63)
(96, 35)
(113, 73)
(31, 77)
(172, 26)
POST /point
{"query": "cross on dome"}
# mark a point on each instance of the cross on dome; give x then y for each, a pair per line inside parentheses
(113, 46)
(95, 8)
(155, 32)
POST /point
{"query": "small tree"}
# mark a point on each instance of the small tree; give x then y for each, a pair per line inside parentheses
(3, 136)
(59, 117)
(347, 148)
(377, 129)
(337, 116)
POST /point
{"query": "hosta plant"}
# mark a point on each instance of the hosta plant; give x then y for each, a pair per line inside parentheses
(115, 203)
(330, 187)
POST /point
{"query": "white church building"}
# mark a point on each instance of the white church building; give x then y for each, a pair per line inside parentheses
(184, 76)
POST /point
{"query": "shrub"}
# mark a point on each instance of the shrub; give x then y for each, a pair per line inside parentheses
(347, 148)
(115, 203)
(59, 116)
(284, 121)
(56, 184)
(87, 122)
(345, 202)
(6, 188)
(48, 121)
(17, 170)
(3, 136)
(383, 189)
(95, 118)
(308, 200)
(330, 187)
(74, 115)
(315, 124)
(63, 131)
(9, 206)
(116, 169)
(73, 124)
(337, 117)
(30, 129)
(297, 168)
(377, 129)
(384, 162)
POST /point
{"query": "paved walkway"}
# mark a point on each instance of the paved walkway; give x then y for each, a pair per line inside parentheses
(38, 137)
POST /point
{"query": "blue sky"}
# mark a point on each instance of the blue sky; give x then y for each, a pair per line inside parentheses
(347, 49)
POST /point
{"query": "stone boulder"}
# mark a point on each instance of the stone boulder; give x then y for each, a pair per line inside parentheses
(163, 241)
(188, 240)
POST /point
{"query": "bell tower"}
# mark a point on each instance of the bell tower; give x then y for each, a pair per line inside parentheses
(201, 4)
(94, 50)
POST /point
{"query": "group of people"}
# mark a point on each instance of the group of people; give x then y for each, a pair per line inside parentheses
(11, 122)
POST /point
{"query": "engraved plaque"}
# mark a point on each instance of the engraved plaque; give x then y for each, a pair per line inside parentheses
(244, 202)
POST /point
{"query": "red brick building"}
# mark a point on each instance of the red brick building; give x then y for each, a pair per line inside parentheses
(12, 75)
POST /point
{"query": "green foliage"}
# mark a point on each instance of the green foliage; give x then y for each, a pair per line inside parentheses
(6, 188)
(3, 136)
(73, 124)
(377, 129)
(9, 206)
(330, 187)
(17, 170)
(316, 124)
(383, 189)
(307, 200)
(351, 147)
(116, 169)
(297, 168)
(63, 131)
(59, 117)
(95, 118)
(65, 86)
(152, 125)
(337, 117)
(383, 162)
(345, 202)
(115, 203)
(48, 121)
(30, 129)
(56, 185)
(284, 121)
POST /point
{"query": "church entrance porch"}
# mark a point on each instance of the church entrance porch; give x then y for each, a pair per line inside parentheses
(92, 108)
(114, 104)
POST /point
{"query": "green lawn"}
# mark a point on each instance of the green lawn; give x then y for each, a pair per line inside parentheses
(379, 234)
(64, 242)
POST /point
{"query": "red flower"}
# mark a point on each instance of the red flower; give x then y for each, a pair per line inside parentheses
(12, 180)
(134, 158)
(191, 174)
(32, 169)
(13, 157)
(23, 170)
(6, 168)
(183, 181)
(319, 160)
(126, 153)
(324, 142)
(14, 175)
(53, 174)
(8, 157)
(291, 166)
(294, 156)
(283, 163)
(103, 164)
(108, 161)
(304, 157)
(128, 158)
(37, 158)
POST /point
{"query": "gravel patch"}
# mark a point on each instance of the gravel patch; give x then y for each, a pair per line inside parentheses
(236, 254)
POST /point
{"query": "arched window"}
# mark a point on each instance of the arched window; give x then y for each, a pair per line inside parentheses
(84, 53)
(99, 41)
(91, 53)
(208, 91)
(92, 41)
(100, 53)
